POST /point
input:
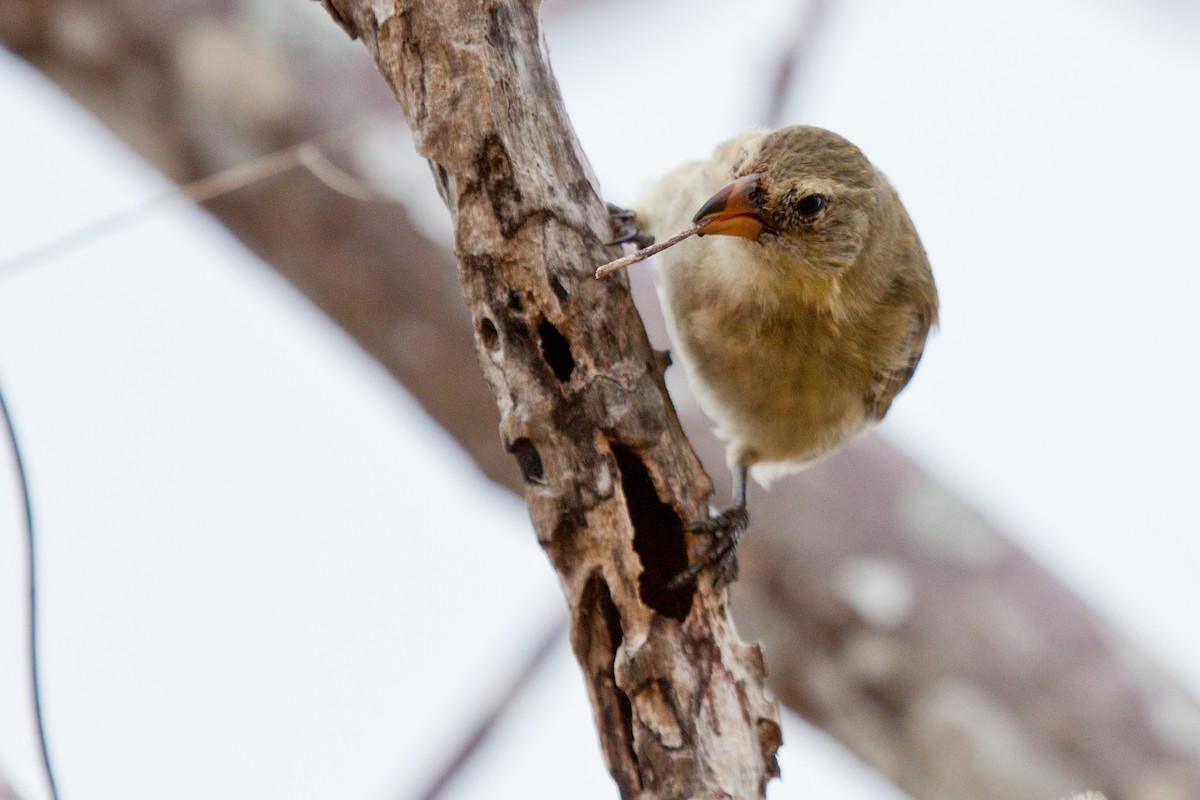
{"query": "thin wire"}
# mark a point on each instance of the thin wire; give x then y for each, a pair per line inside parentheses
(31, 567)
(208, 188)
(201, 191)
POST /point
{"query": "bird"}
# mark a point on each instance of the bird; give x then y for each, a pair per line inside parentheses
(799, 311)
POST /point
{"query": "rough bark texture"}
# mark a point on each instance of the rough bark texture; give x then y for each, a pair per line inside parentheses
(610, 480)
(970, 673)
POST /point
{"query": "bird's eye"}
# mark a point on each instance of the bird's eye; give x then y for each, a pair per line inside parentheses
(811, 205)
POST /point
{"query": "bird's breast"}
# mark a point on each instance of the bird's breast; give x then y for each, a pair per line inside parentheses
(780, 380)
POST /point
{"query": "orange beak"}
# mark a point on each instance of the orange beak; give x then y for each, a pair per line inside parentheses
(732, 211)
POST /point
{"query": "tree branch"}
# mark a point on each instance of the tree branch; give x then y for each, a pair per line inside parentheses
(1084, 700)
(610, 480)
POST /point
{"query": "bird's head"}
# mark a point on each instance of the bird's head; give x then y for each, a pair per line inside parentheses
(806, 195)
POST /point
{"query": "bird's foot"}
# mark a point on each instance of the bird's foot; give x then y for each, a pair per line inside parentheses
(625, 229)
(725, 530)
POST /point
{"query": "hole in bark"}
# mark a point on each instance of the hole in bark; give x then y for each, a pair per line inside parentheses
(527, 459)
(557, 351)
(559, 290)
(657, 538)
(597, 638)
(489, 335)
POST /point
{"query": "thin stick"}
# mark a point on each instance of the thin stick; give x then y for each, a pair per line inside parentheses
(646, 252)
(337, 178)
(794, 59)
(511, 693)
(201, 191)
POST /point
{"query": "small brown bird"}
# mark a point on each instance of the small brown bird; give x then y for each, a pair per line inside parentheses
(803, 316)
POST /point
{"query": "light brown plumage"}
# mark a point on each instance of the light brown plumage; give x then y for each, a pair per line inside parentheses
(798, 338)
(799, 325)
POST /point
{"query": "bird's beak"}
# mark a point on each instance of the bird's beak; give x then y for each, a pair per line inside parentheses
(733, 211)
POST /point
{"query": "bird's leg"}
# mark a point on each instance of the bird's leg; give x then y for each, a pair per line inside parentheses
(624, 227)
(725, 528)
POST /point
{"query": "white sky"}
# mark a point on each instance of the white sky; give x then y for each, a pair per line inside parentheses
(262, 564)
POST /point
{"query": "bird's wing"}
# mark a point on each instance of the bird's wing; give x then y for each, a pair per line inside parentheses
(893, 374)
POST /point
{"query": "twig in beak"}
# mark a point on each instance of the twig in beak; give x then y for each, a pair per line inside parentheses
(646, 252)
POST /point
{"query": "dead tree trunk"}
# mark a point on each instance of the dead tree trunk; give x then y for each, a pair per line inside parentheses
(610, 480)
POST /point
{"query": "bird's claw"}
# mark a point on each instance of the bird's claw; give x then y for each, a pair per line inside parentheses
(725, 530)
(625, 229)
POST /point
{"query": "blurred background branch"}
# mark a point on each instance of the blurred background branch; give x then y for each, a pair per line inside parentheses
(793, 59)
(458, 759)
(893, 615)
(6, 791)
